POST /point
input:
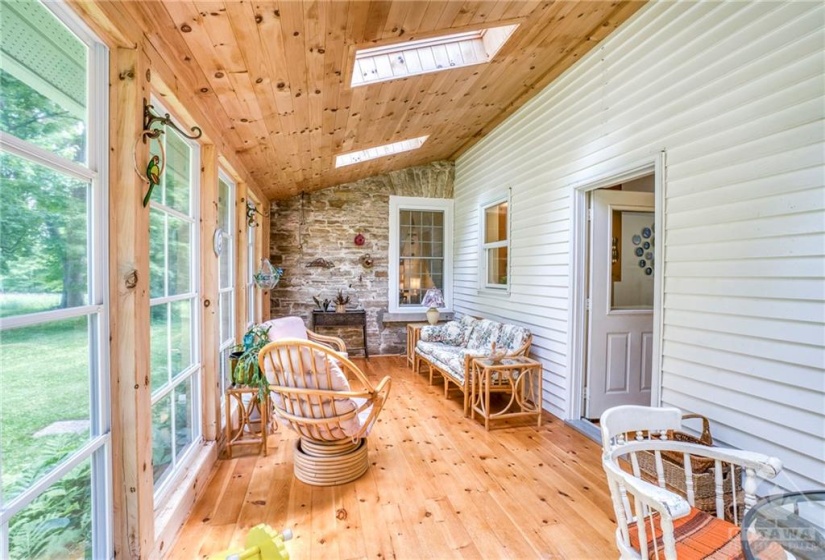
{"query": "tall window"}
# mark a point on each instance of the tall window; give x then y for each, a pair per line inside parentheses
(175, 369)
(226, 274)
(420, 250)
(55, 481)
(495, 245)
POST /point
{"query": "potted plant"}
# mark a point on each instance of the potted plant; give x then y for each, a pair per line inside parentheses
(246, 372)
(341, 302)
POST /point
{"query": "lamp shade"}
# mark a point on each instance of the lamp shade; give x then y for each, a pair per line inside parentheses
(433, 298)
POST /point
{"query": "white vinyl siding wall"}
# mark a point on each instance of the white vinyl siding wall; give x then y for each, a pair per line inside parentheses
(733, 92)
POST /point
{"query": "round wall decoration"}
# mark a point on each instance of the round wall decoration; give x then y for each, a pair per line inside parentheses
(359, 239)
(217, 241)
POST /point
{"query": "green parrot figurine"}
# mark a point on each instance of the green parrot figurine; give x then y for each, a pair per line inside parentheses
(153, 175)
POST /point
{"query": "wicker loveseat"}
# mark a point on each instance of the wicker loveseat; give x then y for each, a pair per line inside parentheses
(448, 349)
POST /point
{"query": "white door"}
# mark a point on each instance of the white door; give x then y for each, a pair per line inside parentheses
(620, 320)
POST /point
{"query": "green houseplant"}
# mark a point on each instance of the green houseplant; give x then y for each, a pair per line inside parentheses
(246, 371)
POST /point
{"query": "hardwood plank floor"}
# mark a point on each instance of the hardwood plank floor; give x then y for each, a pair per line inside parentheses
(438, 486)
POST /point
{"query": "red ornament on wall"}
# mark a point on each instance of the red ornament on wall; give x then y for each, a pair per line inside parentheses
(359, 239)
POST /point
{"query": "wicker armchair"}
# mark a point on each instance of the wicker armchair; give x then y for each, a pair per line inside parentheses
(652, 520)
(311, 394)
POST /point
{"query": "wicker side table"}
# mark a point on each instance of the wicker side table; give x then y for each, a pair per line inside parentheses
(515, 376)
(245, 433)
(413, 334)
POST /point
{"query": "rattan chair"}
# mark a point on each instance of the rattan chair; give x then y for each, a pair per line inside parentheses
(654, 521)
(311, 394)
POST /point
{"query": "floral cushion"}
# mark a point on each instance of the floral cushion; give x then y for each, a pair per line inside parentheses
(512, 337)
(445, 357)
(452, 332)
(485, 332)
(468, 323)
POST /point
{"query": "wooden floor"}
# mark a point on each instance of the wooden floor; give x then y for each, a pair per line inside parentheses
(438, 486)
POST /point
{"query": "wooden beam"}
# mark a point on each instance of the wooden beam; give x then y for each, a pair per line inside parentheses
(240, 259)
(129, 311)
(210, 299)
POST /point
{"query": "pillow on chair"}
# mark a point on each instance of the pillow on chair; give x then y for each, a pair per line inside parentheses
(286, 327)
(319, 372)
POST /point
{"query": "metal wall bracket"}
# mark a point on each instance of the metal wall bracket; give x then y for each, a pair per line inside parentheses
(149, 118)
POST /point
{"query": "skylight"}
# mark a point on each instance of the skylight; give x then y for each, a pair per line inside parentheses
(390, 62)
(379, 151)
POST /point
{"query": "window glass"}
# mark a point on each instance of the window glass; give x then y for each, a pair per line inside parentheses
(41, 427)
(632, 265)
(421, 263)
(495, 245)
(44, 223)
(43, 80)
(161, 437)
(58, 523)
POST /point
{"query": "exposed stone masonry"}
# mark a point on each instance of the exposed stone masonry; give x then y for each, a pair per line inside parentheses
(323, 224)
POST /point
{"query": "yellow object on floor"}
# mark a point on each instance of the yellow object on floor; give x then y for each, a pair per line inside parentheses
(262, 543)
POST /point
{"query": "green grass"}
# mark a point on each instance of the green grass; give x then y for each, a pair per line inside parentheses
(44, 375)
(18, 304)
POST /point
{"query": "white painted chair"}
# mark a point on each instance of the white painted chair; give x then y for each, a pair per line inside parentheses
(652, 520)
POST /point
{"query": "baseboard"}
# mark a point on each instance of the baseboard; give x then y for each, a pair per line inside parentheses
(170, 518)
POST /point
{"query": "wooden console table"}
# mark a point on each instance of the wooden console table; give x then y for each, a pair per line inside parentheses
(515, 375)
(354, 318)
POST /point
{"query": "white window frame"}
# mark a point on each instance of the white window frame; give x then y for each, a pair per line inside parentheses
(180, 463)
(397, 204)
(483, 247)
(228, 246)
(98, 450)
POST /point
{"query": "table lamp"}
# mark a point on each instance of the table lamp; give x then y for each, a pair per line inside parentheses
(433, 299)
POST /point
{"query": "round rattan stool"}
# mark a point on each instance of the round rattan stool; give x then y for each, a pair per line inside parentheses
(329, 464)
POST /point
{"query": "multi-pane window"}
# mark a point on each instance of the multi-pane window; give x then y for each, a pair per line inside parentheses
(175, 369)
(495, 246)
(54, 418)
(420, 250)
(226, 274)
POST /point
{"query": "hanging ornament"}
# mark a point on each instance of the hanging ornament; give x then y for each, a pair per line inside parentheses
(268, 276)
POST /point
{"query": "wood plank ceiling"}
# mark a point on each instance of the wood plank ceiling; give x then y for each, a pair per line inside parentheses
(275, 76)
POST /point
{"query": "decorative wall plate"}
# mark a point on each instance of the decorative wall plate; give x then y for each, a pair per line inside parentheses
(217, 241)
(636, 239)
(359, 240)
(646, 232)
(639, 251)
(642, 263)
(648, 271)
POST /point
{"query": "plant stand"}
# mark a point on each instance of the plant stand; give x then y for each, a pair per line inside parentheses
(245, 433)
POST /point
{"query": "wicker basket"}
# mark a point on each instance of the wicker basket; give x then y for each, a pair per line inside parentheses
(704, 483)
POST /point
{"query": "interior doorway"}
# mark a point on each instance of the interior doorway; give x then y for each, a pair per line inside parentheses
(616, 302)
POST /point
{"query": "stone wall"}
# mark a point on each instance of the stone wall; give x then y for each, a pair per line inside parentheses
(323, 224)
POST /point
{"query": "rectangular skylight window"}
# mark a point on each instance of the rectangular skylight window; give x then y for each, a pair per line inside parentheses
(390, 62)
(379, 151)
